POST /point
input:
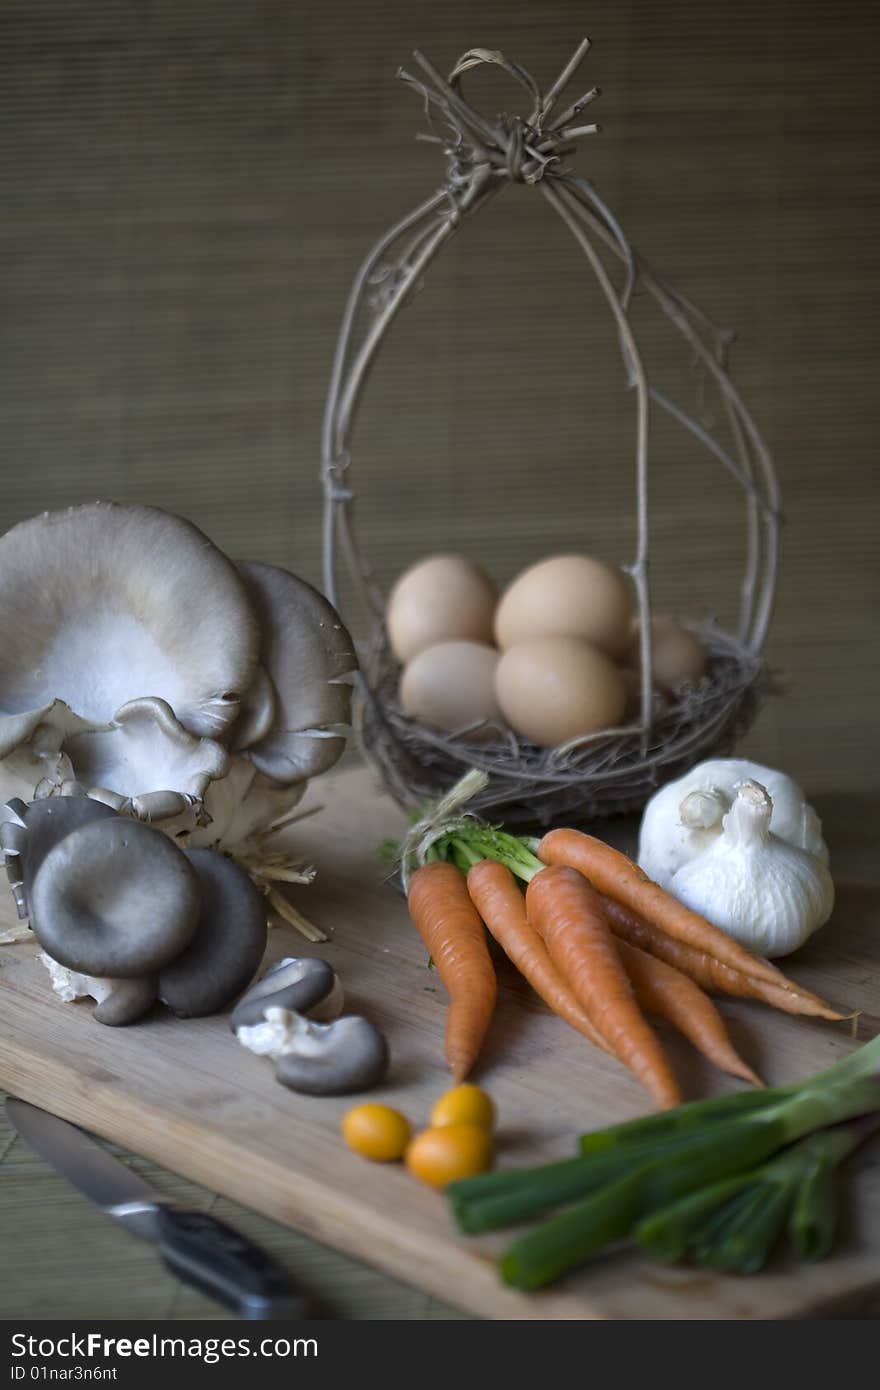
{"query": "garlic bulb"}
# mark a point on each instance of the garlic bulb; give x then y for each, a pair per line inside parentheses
(683, 818)
(768, 894)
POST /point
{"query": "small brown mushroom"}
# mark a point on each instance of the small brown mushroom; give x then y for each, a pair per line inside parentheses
(306, 985)
(227, 947)
(113, 898)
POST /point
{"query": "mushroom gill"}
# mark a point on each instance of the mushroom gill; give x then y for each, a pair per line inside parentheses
(146, 753)
(105, 603)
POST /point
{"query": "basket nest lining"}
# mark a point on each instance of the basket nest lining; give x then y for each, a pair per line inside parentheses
(606, 774)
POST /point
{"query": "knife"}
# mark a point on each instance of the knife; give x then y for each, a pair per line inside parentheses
(197, 1248)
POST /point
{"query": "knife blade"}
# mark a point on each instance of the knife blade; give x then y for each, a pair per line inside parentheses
(196, 1247)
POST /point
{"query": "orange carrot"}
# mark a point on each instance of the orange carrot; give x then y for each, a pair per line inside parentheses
(667, 993)
(452, 930)
(566, 912)
(708, 972)
(498, 899)
(612, 873)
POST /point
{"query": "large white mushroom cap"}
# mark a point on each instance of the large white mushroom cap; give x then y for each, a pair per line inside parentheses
(105, 603)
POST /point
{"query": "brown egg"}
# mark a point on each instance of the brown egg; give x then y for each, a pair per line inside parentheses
(677, 656)
(568, 596)
(443, 598)
(552, 689)
(452, 685)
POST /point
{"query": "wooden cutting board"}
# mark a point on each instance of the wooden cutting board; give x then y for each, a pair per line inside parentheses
(188, 1096)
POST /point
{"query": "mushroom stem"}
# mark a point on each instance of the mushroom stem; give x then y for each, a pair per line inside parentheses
(127, 1001)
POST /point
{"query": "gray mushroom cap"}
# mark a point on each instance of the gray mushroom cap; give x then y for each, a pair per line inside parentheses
(309, 657)
(114, 898)
(128, 1001)
(333, 1059)
(93, 615)
(229, 941)
(305, 985)
(39, 825)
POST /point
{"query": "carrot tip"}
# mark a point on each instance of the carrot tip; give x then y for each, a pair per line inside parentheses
(460, 1068)
(746, 1074)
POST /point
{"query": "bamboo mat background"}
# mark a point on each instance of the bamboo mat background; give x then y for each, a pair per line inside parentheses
(187, 189)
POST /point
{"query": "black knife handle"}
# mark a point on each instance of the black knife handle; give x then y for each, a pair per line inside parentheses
(214, 1258)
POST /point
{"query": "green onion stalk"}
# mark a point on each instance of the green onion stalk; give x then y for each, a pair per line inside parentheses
(717, 1182)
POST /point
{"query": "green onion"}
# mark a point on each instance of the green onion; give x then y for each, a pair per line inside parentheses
(666, 1235)
(572, 1237)
(736, 1225)
(716, 1182)
(813, 1221)
(492, 1200)
(742, 1234)
(682, 1120)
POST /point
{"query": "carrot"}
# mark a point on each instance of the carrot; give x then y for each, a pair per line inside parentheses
(566, 912)
(708, 972)
(499, 901)
(612, 873)
(667, 993)
(452, 930)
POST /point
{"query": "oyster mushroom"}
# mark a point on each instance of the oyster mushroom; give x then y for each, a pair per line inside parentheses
(116, 1001)
(146, 763)
(95, 614)
(127, 1001)
(145, 651)
(305, 985)
(309, 657)
(227, 947)
(319, 1059)
(258, 710)
(112, 898)
(32, 760)
(39, 826)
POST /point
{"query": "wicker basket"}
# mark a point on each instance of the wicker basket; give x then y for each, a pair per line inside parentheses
(616, 770)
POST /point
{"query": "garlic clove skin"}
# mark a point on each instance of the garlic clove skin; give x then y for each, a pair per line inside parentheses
(667, 840)
(672, 834)
(767, 894)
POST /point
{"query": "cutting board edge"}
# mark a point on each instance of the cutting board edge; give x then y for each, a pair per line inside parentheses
(339, 1221)
(335, 1219)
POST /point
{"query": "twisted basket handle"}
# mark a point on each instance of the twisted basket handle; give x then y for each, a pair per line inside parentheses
(482, 156)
